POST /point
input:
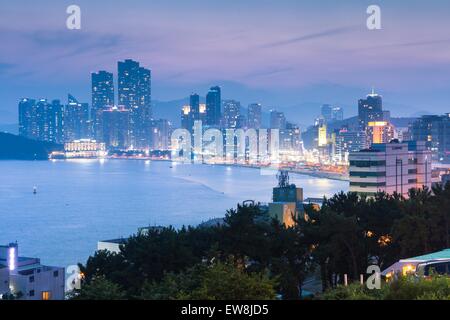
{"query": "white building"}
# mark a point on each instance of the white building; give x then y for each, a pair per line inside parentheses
(26, 278)
(112, 245)
(390, 167)
(84, 148)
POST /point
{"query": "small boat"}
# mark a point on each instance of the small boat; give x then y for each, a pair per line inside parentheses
(34, 190)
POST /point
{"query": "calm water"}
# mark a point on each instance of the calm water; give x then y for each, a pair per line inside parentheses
(82, 201)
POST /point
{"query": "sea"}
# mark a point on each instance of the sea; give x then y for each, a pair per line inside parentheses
(80, 202)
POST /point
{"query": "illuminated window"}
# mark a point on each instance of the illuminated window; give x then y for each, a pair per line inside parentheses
(45, 295)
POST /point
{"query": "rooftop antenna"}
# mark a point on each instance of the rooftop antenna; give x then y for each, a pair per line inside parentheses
(283, 178)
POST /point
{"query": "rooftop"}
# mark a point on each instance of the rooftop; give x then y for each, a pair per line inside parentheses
(440, 255)
(119, 241)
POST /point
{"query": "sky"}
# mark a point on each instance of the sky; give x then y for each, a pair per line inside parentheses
(282, 53)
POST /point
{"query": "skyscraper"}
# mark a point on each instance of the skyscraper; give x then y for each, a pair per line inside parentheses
(194, 102)
(231, 114)
(102, 95)
(379, 132)
(326, 112)
(348, 141)
(254, 116)
(54, 117)
(115, 127)
(435, 131)
(213, 106)
(370, 109)
(277, 120)
(134, 91)
(290, 137)
(160, 134)
(337, 114)
(193, 112)
(76, 120)
(186, 119)
(27, 119)
(102, 89)
(41, 120)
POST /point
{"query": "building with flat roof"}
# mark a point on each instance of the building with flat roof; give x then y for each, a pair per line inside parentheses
(390, 167)
(26, 278)
(84, 148)
(112, 245)
(287, 200)
(435, 131)
(409, 265)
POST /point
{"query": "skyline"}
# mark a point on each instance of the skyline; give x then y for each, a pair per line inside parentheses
(287, 55)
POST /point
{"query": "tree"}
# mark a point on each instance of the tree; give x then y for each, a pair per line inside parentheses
(404, 288)
(218, 281)
(98, 289)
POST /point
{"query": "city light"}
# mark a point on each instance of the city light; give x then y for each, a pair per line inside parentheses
(12, 258)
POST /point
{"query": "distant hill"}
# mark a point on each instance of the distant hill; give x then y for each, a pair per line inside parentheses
(403, 122)
(170, 110)
(9, 128)
(14, 147)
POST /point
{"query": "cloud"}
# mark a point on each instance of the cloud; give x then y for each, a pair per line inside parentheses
(4, 67)
(311, 36)
(406, 44)
(72, 43)
(268, 72)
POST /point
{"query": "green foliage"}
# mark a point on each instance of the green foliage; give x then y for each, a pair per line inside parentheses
(354, 291)
(98, 289)
(216, 282)
(405, 288)
(349, 232)
(164, 257)
(411, 288)
(346, 235)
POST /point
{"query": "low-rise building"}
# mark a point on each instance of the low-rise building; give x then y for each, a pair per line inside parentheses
(112, 245)
(84, 148)
(390, 167)
(287, 200)
(26, 278)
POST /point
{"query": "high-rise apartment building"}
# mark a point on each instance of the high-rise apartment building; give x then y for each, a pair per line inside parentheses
(102, 89)
(330, 113)
(76, 120)
(290, 138)
(27, 118)
(348, 141)
(231, 114)
(337, 114)
(102, 83)
(41, 120)
(134, 93)
(326, 112)
(370, 109)
(277, 120)
(160, 134)
(435, 131)
(115, 127)
(254, 116)
(193, 112)
(379, 132)
(213, 106)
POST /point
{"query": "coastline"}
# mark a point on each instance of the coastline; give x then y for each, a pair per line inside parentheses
(307, 172)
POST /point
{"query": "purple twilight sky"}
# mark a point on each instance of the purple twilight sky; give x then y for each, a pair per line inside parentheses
(284, 53)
